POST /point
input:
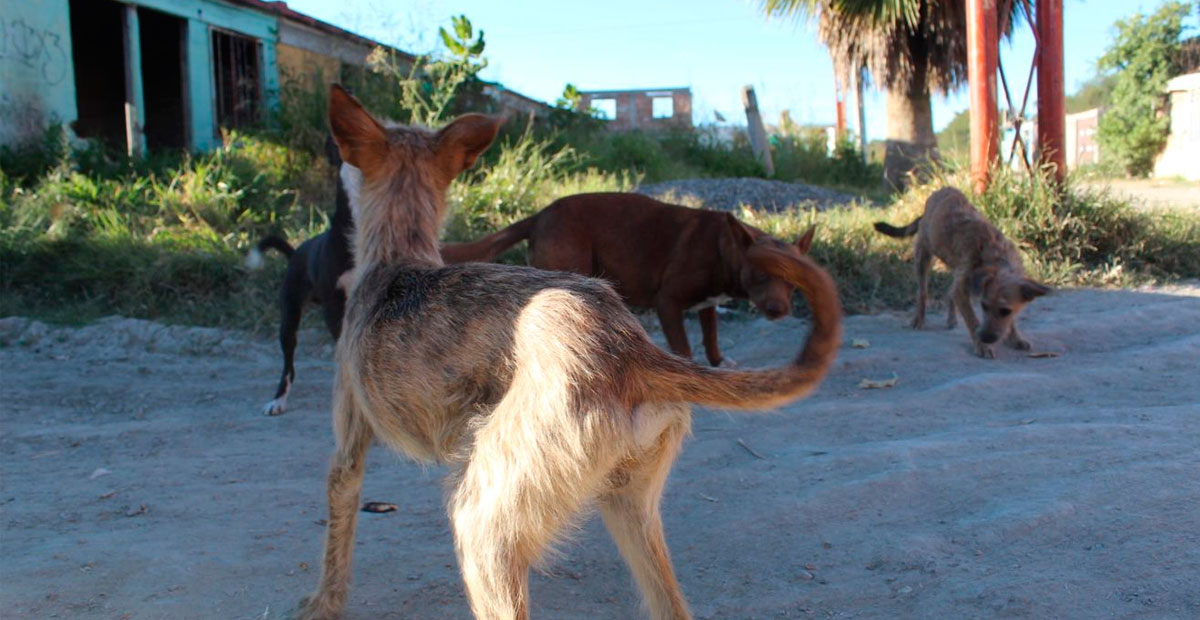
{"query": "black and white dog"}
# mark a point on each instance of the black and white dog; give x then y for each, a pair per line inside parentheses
(312, 274)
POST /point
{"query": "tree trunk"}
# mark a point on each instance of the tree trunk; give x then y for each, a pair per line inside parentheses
(911, 143)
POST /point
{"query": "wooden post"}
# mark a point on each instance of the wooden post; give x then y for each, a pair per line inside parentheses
(135, 111)
(982, 52)
(1051, 127)
(756, 130)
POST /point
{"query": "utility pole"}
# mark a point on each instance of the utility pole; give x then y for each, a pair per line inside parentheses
(1051, 95)
(982, 53)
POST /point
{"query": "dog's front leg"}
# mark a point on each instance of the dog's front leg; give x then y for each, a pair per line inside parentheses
(708, 324)
(1015, 340)
(962, 299)
(631, 513)
(344, 490)
(670, 314)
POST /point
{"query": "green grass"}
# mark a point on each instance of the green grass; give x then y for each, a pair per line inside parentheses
(1087, 238)
(85, 233)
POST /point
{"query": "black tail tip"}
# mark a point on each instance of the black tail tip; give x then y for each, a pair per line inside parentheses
(883, 227)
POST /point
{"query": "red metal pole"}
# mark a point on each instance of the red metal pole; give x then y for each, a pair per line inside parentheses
(1051, 95)
(841, 109)
(982, 52)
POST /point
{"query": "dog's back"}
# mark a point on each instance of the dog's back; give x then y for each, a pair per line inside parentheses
(957, 233)
(633, 241)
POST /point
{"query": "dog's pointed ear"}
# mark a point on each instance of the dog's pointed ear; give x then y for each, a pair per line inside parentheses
(1031, 290)
(461, 142)
(361, 140)
(742, 232)
(980, 277)
(804, 243)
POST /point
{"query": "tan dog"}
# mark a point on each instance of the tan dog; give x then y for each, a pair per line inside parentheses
(985, 264)
(656, 255)
(539, 389)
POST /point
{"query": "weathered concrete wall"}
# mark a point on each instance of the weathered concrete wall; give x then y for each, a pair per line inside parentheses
(37, 81)
(310, 69)
(1082, 149)
(635, 108)
(1181, 157)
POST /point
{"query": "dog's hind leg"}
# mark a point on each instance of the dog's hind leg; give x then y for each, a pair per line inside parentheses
(344, 490)
(529, 473)
(291, 307)
(922, 260)
(631, 513)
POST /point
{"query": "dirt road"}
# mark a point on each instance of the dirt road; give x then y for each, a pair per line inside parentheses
(139, 480)
(1153, 193)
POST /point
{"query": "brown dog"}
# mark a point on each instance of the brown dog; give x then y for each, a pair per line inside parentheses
(659, 256)
(985, 264)
(539, 389)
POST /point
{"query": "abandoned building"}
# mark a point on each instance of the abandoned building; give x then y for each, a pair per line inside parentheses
(167, 73)
(646, 109)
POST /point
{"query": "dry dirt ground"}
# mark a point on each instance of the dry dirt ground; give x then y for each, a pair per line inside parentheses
(140, 480)
(1154, 193)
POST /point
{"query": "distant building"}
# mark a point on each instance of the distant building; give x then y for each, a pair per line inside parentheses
(1082, 149)
(647, 109)
(1181, 156)
(165, 73)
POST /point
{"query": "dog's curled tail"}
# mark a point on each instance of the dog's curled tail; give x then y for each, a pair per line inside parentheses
(892, 231)
(254, 260)
(488, 248)
(671, 378)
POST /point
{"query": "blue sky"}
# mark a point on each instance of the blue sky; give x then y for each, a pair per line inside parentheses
(714, 46)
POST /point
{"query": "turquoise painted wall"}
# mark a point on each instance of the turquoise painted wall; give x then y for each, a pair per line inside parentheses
(37, 76)
(202, 16)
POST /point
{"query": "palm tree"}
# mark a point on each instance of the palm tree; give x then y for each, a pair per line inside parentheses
(909, 47)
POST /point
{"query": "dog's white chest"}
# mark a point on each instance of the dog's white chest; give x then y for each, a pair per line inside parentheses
(711, 302)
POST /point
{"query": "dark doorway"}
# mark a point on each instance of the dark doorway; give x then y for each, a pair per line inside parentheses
(235, 66)
(98, 50)
(163, 84)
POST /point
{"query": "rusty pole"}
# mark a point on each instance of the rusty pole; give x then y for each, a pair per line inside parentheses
(982, 51)
(840, 94)
(1051, 127)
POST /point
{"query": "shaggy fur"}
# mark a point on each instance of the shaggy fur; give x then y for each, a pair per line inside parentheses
(985, 265)
(539, 389)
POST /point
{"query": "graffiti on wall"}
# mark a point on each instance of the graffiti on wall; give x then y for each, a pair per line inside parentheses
(39, 50)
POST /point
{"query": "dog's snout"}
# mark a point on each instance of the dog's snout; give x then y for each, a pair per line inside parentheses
(774, 310)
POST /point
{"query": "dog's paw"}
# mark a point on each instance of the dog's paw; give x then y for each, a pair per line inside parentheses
(276, 407)
(727, 362)
(1019, 344)
(952, 321)
(985, 351)
(314, 608)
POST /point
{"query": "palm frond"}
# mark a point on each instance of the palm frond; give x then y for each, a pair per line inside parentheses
(918, 43)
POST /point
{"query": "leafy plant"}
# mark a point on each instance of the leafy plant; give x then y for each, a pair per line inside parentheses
(1142, 58)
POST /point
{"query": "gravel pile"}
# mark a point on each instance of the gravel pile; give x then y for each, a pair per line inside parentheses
(760, 194)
